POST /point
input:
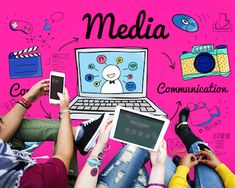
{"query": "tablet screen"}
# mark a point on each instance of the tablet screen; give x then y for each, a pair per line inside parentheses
(138, 129)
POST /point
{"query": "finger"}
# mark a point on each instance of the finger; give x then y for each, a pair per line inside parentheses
(189, 155)
(44, 81)
(46, 89)
(45, 92)
(164, 145)
(103, 128)
(209, 150)
(199, 157)
(66, 93)
(45, 85)
(160, 147)
(205, 153)
(109, 128)
(60, 95)
(204, 161)
(195, 163)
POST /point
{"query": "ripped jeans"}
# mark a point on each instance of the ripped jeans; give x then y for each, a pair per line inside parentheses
(127, 170)
(204, 175)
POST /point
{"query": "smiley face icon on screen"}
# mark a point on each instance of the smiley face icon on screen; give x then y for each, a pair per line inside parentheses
(111, 74)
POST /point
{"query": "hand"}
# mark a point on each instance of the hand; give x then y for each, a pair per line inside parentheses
(210, 160)
(37, 90)
(104, 134)
(189, 160)
(159, 156)
(64, 100)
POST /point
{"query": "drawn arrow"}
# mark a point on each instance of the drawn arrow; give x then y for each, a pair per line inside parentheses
(223, 20)
(48, 115)
(179, 104)
(172, 65)
(75, 39)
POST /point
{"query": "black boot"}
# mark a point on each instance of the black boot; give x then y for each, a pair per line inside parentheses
(184, 114)
(183, 131)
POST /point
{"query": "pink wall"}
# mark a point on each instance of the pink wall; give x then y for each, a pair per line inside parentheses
(219, 133)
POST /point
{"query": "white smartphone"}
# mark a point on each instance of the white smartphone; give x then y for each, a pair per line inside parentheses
(57, 80)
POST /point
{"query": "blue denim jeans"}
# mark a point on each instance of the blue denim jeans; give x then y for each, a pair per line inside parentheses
(204, 175)
(127, 169)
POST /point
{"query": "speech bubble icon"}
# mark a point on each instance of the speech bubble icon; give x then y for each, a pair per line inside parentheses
(130, 86)
(57, 17)
(89, 77)
(101, 59)
(130, 76)
(119, 60)
(96, 83)
(92, 66)
(132, 66)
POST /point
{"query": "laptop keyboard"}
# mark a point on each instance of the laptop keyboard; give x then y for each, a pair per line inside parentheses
(109, 105)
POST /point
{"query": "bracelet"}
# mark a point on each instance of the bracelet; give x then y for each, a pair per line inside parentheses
(64, 111)
(155, 184)
(92, 161)
(99, 157)
(24, 102)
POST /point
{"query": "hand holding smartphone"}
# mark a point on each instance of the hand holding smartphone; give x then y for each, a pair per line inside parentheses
(57, 80)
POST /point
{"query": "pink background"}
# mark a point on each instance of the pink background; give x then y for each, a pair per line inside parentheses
(219, 133)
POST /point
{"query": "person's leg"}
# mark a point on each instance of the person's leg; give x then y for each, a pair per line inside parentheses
(73, 170)
(183, 130)
(204, 175)
(43, 130)
(142, 179)
(123, 169)
(35, 130)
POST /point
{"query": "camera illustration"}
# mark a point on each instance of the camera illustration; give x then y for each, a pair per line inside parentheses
(205, 60)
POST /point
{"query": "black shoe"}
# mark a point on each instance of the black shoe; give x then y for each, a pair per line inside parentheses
(203, 146)
(183, 115)
(183, 131)
(90, 131)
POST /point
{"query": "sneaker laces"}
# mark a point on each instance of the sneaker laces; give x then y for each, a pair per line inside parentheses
(84, 124)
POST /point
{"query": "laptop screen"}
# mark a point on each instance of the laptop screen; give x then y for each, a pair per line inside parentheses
(111, 71)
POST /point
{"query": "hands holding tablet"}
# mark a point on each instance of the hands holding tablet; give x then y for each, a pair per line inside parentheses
(159, 156)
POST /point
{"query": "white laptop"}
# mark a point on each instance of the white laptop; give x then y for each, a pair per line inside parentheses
(110, 77)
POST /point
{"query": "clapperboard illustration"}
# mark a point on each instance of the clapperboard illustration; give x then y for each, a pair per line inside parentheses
(25, 63)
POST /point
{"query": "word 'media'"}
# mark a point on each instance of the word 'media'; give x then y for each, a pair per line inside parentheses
(138, 30)
(162, 88)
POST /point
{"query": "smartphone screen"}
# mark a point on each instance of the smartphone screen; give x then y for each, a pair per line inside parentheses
(56, 86)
